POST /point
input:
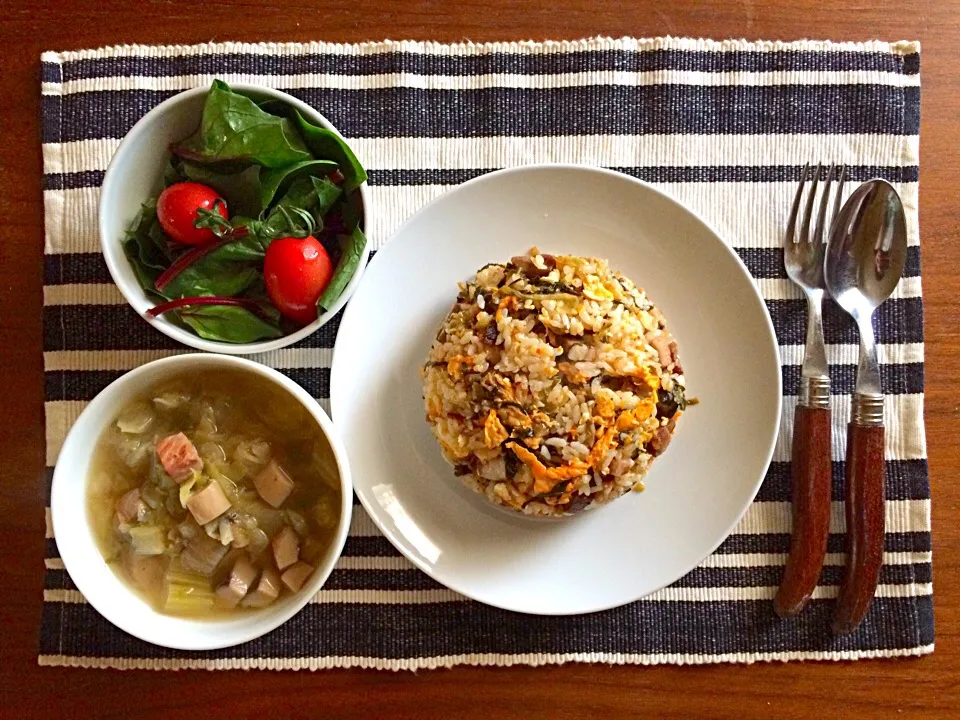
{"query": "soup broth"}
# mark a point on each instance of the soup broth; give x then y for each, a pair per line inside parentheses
(215, 492)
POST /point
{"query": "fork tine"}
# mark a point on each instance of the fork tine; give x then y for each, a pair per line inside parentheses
(839, 197)
(819, 236)
(792, 223)
(808, 211)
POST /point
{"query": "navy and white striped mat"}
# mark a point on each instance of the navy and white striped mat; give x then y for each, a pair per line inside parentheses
(724, 127)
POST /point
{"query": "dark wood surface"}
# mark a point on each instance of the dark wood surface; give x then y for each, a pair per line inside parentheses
(900, 688)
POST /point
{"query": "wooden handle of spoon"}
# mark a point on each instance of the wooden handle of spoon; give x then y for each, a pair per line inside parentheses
(811, 477)
(865, 526)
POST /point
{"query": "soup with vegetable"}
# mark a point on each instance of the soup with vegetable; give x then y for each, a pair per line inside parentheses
(215, 492)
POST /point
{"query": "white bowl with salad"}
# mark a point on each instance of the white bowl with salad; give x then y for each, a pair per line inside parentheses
(232, 219)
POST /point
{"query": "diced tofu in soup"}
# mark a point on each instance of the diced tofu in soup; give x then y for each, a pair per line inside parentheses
(296, 575)
(273, 484)
(212, 504)
(267, 590)
(238, 583)
(208, 504)
(286, 548)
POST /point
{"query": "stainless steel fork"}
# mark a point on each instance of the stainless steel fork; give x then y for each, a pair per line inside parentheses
(803, 255)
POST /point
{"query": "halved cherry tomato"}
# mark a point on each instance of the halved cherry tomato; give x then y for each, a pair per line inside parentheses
(177, 211)
(296, 272)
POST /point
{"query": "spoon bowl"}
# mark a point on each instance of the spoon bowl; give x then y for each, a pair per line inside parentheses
(867, 249)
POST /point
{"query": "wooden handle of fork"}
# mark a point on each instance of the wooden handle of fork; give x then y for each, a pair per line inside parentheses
(811, 477)
(865, 526)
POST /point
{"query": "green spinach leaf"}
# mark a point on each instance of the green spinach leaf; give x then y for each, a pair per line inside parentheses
(173, 173)
(353, 252)
(327, 195)
(145, 274)
(275, 181)
(234, 129)
(273, 106)
(327, 144)
(152, 246)
(147, 248)
(250, 247)
(268, 311)
(228, 323)
(301, 195)
(216, 273)
(287, 217)
(241, 190)
(347, 211)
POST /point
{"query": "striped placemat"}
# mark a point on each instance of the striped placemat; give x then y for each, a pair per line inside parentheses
(723, 126)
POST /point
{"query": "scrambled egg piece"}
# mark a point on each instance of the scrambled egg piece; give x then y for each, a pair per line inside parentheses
(645, 376)
(629, 419)
(626, 421)
(594, 289)
(606, 441)
(494, 432)
(455, 364)
(604, 408)
(646, 408)
(546, 478)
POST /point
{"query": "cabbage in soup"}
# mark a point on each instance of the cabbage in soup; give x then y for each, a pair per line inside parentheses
(214, 492)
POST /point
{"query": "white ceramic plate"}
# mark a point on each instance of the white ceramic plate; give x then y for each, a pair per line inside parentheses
(696, 492)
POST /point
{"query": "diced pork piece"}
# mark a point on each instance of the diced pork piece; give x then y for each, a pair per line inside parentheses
(242, 577)
(495, 469)
(677, 367)
(208, 504)
(130, 506)
(286, 548)
(178, 456)
(296, 575)
(661, 438)
(273, 484)
(666, 348)
(661, 343)
(530, 268)
(266, 591)
(203, 555)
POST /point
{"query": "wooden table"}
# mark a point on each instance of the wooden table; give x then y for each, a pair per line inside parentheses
(927, 686)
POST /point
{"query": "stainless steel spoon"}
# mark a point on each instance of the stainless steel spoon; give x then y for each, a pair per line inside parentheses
(864, 261)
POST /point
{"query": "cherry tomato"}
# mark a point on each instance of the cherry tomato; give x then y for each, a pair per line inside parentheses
(177, 211)
(297, 271)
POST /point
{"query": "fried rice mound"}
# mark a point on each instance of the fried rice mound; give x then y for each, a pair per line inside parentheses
(552, 384)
